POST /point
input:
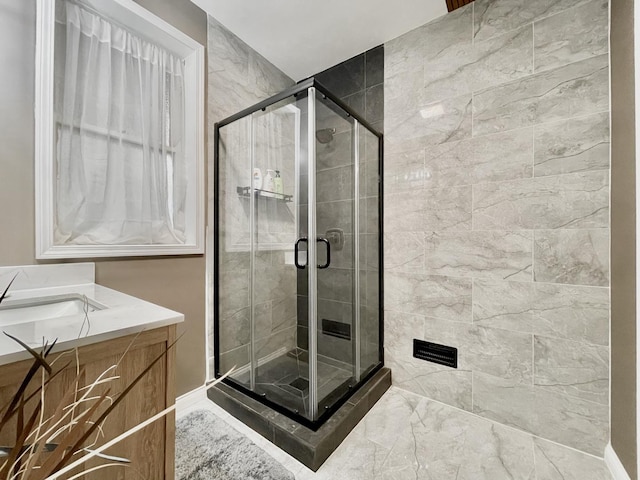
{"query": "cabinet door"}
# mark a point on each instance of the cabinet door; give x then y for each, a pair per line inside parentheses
(150, 450)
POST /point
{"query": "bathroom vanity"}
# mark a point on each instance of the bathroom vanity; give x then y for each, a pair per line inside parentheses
(49, 302)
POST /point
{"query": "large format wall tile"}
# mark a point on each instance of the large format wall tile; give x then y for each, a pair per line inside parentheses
(428, 124)
(447, 209)
(405, 53)
(444, 384)
(502, 58)
(575, 145)
(579, 200)
(345, 78)
(334, 184)
(404, 251)
(335, 215)
(493, 351)
(334, 284)
(571, 421)
(466, 67)
(572, 368)
(404, 171)
(575, 34)
(578, 257)
(583, 424)
(503, 400)
(507, 305)
(552, 310)
(432, 295)
(572, 312)
(374, 66)
(500, 353)
(374, 104)
(531, 153)
(283, 340)
(403, 92)
(405, 212)
(503, 156)
(452, 386)
(448, 164)
(576, 89)
(504, 255)
(493, 17)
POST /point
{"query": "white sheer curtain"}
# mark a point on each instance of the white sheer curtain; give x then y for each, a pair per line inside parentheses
(121, 175)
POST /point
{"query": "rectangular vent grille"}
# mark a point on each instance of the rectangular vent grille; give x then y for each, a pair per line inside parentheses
(432, 352)
(336, 329)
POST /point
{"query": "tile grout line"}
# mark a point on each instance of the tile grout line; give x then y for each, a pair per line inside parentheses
(426, 273)
(512, 331)
(515, 129)
(533, 48)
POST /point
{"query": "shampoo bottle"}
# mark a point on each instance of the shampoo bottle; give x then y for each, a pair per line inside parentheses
(268, 183)
(277, 184)
(257, 179)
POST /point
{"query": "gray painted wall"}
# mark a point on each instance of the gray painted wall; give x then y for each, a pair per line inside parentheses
(497, 213)
(154, 279)
(17, 54)
(623, 237)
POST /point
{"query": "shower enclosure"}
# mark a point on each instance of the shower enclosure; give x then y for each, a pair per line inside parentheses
(298, 288)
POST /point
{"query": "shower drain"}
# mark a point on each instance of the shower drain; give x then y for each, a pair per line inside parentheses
(300, 384)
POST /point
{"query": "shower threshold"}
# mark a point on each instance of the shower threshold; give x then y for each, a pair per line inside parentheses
(310, 447)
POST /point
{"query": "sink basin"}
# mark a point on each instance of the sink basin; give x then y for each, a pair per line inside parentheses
(42, 308)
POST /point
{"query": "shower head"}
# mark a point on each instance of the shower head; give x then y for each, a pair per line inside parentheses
(325, 135)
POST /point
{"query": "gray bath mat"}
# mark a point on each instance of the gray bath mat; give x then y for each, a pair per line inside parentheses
(209, 449)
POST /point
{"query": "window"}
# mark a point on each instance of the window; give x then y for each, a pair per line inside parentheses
(120, 134)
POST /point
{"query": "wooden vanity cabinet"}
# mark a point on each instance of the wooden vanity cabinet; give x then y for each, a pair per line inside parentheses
(150, 450)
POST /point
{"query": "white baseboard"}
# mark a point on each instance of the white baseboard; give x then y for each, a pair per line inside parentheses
(614, 464)
(188, 400)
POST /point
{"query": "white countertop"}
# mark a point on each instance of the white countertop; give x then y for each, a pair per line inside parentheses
(123, 315)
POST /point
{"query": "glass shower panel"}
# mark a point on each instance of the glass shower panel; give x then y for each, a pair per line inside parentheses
(298, 252)
(234, 251)
(280, 375)
(369, 232)
(336, 246)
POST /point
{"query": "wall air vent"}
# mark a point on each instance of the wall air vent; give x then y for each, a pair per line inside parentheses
(336, 329)
(432, 352)
(453, 4)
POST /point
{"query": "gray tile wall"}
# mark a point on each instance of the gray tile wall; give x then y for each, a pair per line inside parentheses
(239, 77)
(497, 213)
(359, 83)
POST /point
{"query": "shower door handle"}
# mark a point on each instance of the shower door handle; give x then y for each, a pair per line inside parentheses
(328, 244)
(295, 253)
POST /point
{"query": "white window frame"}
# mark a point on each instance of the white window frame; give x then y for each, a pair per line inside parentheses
(145, 24)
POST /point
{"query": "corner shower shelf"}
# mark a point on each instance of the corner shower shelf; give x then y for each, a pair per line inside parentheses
(246, 192)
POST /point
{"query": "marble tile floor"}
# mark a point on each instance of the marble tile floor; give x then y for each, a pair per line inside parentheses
(406, 436)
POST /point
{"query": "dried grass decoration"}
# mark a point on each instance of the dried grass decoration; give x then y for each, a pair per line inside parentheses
(47, 447)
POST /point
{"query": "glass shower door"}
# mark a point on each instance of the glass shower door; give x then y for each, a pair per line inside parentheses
(297, 247)
(259, 222)
(335, 214)
(275, 227)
